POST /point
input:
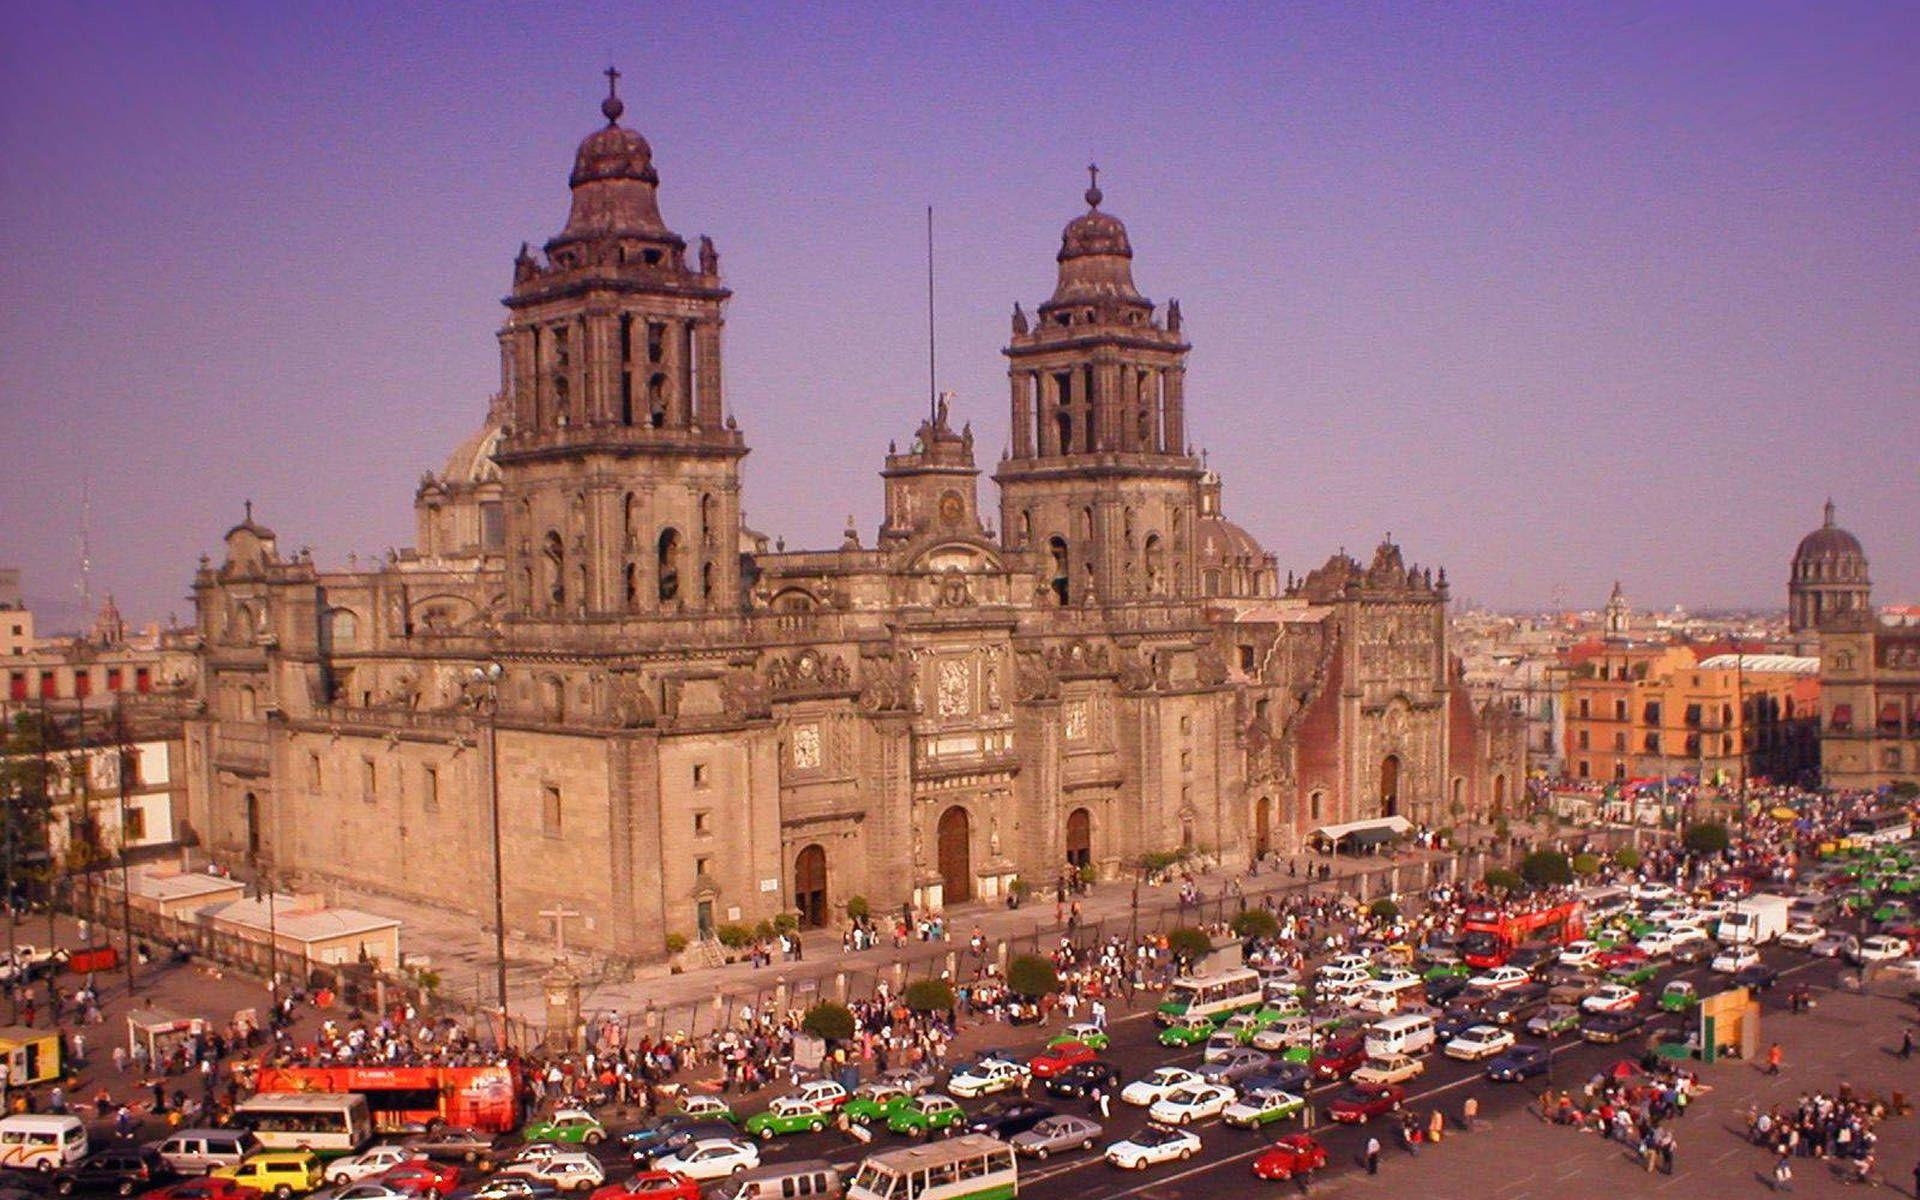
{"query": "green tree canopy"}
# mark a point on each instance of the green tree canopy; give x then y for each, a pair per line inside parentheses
(1032, 976)
(1189, 944)
(1502, 880)
(1705, 837)
(929, 995)
(828, 1021)
(1384, 909)
(1627, 858)
(1546, 868)
(1586, 864)
(1255, 923)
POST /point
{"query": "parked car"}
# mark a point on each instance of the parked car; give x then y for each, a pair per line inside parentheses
(1153, 1144)
(1292, 1156)
(1057, 1134)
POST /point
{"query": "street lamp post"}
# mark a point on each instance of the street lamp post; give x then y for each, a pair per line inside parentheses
(488, 677)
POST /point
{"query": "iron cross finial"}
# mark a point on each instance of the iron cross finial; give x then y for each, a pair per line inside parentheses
(1093, 185)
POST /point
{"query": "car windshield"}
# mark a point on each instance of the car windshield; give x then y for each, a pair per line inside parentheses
(1154, 1135)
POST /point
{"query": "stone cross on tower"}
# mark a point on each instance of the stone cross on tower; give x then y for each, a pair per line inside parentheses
(559, 914)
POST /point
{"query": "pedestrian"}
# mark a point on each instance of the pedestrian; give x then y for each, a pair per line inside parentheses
(1436, 1127)
(1906, 1043)
(1773, 1059)
(1104, 1101)
(1469, 1113)
(1373, 1158)
(1783, 1173)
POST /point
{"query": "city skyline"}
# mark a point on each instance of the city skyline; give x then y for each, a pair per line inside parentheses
(1435, 274)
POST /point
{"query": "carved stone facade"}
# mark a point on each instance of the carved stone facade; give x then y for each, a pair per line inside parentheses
(684, 728)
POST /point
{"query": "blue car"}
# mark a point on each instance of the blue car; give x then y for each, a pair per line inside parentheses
(1520, 1062)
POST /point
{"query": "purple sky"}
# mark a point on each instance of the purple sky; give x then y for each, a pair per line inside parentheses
(1557, 297)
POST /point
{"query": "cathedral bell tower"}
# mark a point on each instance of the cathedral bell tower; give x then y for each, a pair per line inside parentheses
(619, 467)
(1098, 486)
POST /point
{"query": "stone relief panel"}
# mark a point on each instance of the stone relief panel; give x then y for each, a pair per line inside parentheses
(955, 694)
(806, 747)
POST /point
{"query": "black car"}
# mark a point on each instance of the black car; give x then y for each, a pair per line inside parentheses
(121, 1170)
(682, 1132)
(455, 1143)
(1515, 1004)
(1517, 1064)
(1611, 1026)
(1698, 950)
(1533, 956)
(1004, 1118)
(1081, 1079)
(1760, 977)
(1446, 988)
(1454, 1023)
(1281, 1076)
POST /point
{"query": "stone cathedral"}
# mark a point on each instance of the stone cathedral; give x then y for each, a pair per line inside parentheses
(591, 681)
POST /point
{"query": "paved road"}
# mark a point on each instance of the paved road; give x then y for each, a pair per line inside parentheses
(1223, 1167)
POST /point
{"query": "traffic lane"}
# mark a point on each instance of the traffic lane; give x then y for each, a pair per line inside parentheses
(1136, 1052)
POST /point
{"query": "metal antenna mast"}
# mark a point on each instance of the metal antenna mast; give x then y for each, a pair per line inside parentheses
(933, 394)
(85, 585)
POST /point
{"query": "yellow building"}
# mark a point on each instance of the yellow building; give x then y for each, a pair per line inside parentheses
(1637, 710)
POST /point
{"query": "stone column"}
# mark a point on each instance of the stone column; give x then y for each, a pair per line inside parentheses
(1021, 386)
(674, 365)
(706, 348)
(1175, 396)
(1047, 397)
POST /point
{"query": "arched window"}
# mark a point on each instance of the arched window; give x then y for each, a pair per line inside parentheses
(668, 555)
(554, 552)
(657, 400)
(1155, 582)
(1086, 526)
(1026, 527)
(1063, 423)
(706, 581)
(1057, 548)
(630, 516)
(632, 581)
(708, 514)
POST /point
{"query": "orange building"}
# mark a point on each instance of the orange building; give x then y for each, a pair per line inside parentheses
(1641, 710)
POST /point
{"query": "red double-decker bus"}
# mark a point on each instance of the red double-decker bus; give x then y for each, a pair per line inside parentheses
(1489, 935)
(484, 1098)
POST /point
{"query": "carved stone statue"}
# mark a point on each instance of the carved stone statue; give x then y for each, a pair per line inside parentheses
(1019, 318)
(709, 257)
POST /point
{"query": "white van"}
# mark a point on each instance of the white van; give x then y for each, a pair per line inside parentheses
(785, 1181)
(1408, 1033)
(1384, 997)
(41, 1141)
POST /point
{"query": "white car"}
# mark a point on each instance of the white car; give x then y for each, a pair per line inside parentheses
(1655, 943)
(1479, 1041)
(1153, 1144)
(1614, 997)
(1397, 977)
(1500, 978)
(1735, 958)
(1393, 1068)
(1330, 977)
(1355, 962)
(1190, 1104)
(1684, 935)
(367, 1163)
(1579, 955)
(1284, 1034)
(1801, 935)
(1651, 891)
(711, 1158)
(1881, 947)
(568, 1171)
(1163, 1082)
(987, 1076)
(821, 1093)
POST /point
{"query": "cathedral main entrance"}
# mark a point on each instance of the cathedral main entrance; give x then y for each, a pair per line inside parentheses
(955, 848)
(1390, 786)
(810, 886)
(1080, 837)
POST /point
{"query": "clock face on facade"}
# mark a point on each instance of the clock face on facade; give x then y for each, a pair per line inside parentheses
(952, 508)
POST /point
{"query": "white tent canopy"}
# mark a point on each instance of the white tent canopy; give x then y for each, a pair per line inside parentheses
(1336, 833)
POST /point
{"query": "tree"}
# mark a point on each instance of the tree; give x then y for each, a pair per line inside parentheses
(1586, 864)
(1627, 858)
(1255, 923)
(1188, 944)
(1032, 977)
(1705, 837)
(929, 995)
(1502, 880)
(1546, 868)
(857, 908)
(1384, 909)
(829, 1022)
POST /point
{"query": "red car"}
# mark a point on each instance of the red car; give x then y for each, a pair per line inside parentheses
(650, 1185)
(1294, 1154)
(421, 1177)
(1364, 1101)
(1055, 1059)
(213, 1187)
(1620, 956)
(1338, 1057)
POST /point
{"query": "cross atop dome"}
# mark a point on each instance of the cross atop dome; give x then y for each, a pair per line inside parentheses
(612, 106)
(1094, 195)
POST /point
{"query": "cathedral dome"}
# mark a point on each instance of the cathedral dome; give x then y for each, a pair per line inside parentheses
(615, 194)
(1096, 260)
(472, 460)
(1830, 543)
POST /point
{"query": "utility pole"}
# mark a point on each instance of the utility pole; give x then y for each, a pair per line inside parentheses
(127, 766)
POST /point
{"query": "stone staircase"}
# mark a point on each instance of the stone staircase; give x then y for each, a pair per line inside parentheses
(711, 953)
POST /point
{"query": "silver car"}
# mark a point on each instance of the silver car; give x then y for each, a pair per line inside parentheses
(1235, 1065)
(1055, 1134)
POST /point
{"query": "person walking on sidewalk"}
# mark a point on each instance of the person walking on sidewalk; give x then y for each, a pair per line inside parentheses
(1906, 1043)
(1773, 1059)
(1373, 1158)
(1783, 1173)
